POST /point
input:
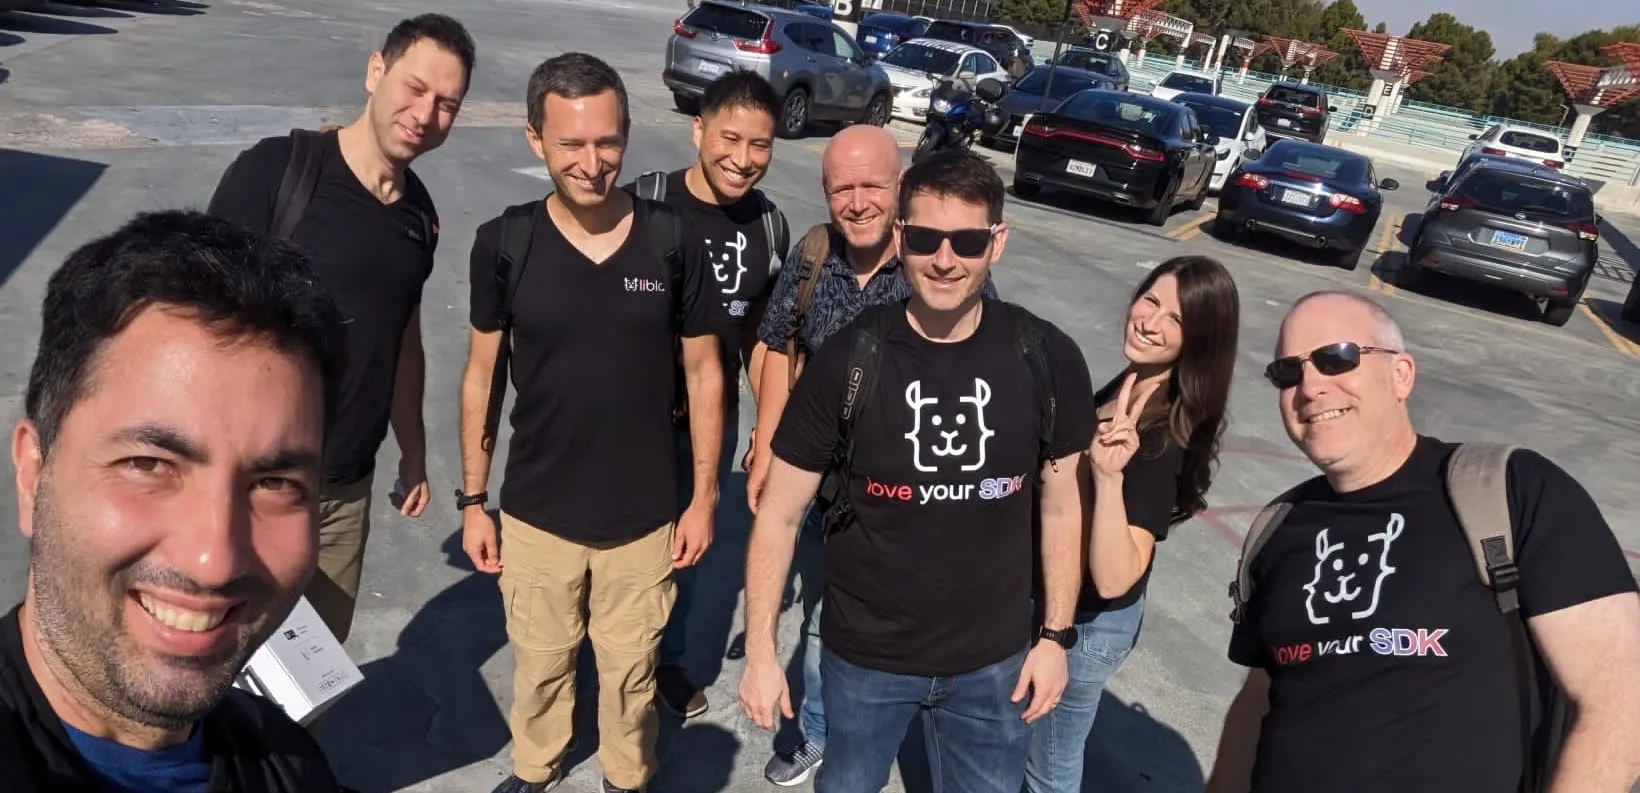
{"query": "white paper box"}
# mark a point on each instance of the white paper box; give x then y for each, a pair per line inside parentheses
(301, 666)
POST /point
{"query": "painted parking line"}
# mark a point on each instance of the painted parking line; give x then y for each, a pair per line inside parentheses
(1191, 228)
(1623, 345)
(1389, 230)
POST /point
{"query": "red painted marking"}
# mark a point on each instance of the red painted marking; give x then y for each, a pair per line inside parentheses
(1220, 527)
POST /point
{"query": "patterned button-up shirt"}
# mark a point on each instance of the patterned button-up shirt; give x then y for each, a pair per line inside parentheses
(837, 298)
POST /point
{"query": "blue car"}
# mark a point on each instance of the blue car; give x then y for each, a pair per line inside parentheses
(1318, 196)
(1025, 97)
(881, 31)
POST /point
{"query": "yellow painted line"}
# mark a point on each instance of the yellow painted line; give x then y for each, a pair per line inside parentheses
(1389, 226)
(1374, 284)
(1623, 345)
(1191, 228)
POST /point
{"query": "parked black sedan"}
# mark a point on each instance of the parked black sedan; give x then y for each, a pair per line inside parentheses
(1320, 196)
(1025, 97)
(1127, 149)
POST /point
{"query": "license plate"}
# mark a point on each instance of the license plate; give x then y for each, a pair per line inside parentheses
(871, 39)
(1013, 130)
(708, 67)
(1296, 198)
(1284, 122)
(1080, 168)
(1504, 239)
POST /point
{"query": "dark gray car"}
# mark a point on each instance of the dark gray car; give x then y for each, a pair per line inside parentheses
(817, 69)
(1517, 225)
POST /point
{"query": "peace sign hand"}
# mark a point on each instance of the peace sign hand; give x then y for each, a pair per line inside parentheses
(1118, 437)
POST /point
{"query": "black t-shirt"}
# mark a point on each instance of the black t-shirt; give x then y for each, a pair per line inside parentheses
(733, 246)
(372, 258)
(934, 577)
(1390, 665)
(252, 746)
(1150, 484)
(592, 455)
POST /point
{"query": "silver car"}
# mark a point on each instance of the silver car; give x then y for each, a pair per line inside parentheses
(817, 69)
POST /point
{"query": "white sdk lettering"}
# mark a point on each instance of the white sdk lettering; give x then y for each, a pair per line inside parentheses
(944, 433)
(1337, 572)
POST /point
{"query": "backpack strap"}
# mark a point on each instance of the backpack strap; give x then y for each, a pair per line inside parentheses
(666, 235)
(776, 232)
(650, 185)
(1477, 481)
(515, 230)
(811, 261)
(300, 179)
(860, 378)
(1033, 347)
(1264, 524)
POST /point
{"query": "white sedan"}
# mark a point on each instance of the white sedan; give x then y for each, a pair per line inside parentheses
(1235, 123)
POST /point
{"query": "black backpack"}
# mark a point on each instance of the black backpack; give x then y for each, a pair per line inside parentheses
(1477, 485)
(514, 230)
(865, 341)
(301, 179)
(652, 185)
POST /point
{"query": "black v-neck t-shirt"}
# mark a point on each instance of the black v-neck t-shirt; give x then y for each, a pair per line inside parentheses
(372, 258)
(934, 578)
(1390, 665)
(592, 455)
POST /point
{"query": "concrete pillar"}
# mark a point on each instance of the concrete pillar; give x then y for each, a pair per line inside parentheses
(1139, 58)
(1241, 76)
(1178, 62)
(1125, 55)
(1222, 53)
(1393, 103)
(1580, 124)
(1305, 80)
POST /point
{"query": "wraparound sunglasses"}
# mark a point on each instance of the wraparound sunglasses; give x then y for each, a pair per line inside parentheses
(1333, 359)
(966, 243)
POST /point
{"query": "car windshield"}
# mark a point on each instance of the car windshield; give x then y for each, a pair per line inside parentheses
(1116, 111)
(921, 58)
(726, 21)
(1293, 96)
(1324, 165)
(1530, 141)
(1512, 193)
(950, 31)
(1189, 83)
(1224, 122)
(1087, 59)
(1064, 84)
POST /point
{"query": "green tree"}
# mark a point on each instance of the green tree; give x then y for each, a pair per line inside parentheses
(1463, 76)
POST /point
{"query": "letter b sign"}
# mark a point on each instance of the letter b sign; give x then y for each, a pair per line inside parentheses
(846, 10)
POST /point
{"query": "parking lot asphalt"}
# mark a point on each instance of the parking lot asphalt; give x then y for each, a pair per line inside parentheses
(124, 106)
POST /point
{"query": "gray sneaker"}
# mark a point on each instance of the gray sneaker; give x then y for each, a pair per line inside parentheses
(788, 769)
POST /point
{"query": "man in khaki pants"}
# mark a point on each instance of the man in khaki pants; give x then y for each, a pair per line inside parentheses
(595, 295)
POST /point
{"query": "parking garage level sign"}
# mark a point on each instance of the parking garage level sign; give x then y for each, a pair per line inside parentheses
(846, 10)
(1102, 40)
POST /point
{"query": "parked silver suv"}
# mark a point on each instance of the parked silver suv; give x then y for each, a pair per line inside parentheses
(815, 66)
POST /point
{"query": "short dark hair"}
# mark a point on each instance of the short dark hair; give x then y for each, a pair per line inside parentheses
(957, 173)
(450, 35)
(239, 282)
(740, 88)
(573, 75)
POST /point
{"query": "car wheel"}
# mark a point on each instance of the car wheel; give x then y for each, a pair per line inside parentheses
(1409, 275)
(1201, 198)
(877, 111)
(1349, 259)
(1025, 189)
(1225, 228)
(1163, 210)
(1631, 304)
(1559, 312)
(794, 113)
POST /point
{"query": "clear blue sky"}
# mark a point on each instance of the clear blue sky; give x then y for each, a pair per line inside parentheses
(1512, 23)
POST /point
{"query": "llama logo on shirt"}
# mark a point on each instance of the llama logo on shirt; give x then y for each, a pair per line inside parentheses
(1352, 578)
(948, 430)
(728, 275)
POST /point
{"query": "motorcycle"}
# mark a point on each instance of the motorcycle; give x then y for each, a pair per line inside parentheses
(956, 113)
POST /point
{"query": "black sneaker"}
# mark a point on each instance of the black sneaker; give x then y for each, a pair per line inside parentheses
(679, 696)
(788, 769)
(513, 784)
(609, 787)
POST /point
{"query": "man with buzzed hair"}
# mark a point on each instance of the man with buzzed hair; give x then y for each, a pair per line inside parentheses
(860, 174)
(350, 198)
(1380, 658)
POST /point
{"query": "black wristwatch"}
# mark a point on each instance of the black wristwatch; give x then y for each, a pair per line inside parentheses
(464, 501)
(1065, 637)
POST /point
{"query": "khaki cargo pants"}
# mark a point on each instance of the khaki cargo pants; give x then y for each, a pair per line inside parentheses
(627, 590)
(344, 525)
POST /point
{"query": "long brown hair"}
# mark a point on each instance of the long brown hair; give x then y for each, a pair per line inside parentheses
(1196, 396)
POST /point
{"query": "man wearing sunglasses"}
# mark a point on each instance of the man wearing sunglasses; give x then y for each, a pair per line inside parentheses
(1379, 658)
(930, 559)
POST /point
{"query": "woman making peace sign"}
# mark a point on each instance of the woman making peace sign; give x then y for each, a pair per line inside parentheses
(1160, 420)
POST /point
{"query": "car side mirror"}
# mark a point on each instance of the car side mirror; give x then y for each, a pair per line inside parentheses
(1475, 136)
(1210, 139)
(969, 76)
(1332, 108)
(1389, 184)
(990, 89)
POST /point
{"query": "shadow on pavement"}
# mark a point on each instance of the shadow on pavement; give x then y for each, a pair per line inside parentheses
(59, 9)
(1624, 249)
(8, 39)
(1612, 312)
(34, 23)
(172, 7)
(1129, 752)
(40, 190)
(1456, 291)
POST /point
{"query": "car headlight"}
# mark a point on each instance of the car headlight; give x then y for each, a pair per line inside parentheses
(941, 105)
(922, 92)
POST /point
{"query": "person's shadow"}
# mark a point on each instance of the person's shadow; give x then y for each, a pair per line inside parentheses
(426, 709)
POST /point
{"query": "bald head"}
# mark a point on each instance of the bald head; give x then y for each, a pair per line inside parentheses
(1362, 319)
(860, 173)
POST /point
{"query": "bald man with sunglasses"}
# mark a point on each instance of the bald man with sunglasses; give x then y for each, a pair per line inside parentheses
(1379, 658)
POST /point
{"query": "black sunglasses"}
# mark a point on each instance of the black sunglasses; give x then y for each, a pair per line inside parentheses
(1333, 359)
(966, 243)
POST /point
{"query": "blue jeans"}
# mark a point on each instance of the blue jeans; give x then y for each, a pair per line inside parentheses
(1060, 739)
(813, 710)
(977, 741)
(675, 639)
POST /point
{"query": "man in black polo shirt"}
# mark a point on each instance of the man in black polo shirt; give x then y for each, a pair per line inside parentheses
(371, 230)
(730, 224)
(594, 305)
(928, 580)
(168, 477)
(1379, 658)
